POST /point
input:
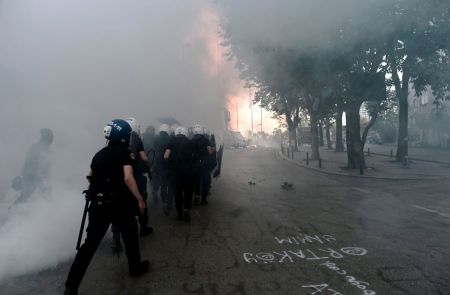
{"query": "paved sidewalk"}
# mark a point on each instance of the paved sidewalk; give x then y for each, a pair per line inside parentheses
(415, 153)
(423, 164)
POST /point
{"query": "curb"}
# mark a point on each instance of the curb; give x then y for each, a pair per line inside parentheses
(283, 157)
(414, 159)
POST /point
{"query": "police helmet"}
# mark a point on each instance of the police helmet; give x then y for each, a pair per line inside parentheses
(164, 128)
(118, 131)
(172, 129)
(150, 129)
(134, 124)
(181, 130)
(197, 129)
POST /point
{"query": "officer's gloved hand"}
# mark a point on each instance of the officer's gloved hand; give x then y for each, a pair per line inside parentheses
(87, 195)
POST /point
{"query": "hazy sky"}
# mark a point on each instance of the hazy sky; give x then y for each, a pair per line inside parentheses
(295, 24)
(74, 65)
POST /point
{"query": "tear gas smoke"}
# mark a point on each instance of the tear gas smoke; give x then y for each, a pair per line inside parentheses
(296, 24)
(74, 65)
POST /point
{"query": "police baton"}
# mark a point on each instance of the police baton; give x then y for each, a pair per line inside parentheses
(83, 220)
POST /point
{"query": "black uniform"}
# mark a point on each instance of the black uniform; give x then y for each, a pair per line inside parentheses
(139, 171)
(148, 139)
(203, 166)
(181, 166)
(212, 161)
(160, 175)
(117, 206)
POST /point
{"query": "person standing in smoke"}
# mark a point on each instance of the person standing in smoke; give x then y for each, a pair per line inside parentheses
(141, 167)
(180, 157)
(212, 159)
(148, 139)
(36, 168)
(113, 193)
(160, 181)
(203, 151)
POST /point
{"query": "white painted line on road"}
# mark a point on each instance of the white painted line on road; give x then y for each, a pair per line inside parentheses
(431, 211)
(362, 190)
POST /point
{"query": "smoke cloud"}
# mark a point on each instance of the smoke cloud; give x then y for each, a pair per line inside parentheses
(74, 65)
(296, 24)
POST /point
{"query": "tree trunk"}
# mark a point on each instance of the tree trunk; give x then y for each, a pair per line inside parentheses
(292, 124)
(339, 144)
(401, 90)
(293, 144)
(321, 141)
(327, 132)
(355, 154)
(372, 121)
(402, 142)
(314, 137)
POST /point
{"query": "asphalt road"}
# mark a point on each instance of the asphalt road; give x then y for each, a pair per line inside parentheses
(323, 235)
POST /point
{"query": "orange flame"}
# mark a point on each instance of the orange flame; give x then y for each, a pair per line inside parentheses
(217, 65)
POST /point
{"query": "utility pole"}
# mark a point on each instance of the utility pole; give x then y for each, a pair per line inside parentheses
(237, 116)
(261, 118)
(251, 108)
(227, 119)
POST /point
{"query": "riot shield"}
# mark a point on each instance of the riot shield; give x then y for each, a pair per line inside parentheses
(219, 156)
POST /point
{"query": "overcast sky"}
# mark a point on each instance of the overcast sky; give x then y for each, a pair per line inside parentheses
(74, 65)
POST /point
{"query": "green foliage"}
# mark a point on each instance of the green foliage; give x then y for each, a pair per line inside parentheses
(407, 39)
(387, 124)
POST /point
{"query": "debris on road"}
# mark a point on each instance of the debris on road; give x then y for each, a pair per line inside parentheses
(251, 183)
(287, 186)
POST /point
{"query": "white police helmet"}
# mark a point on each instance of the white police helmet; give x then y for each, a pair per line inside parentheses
(134, 124)
(172, 129)
(197, 129)
(164, 128)
(181, 130)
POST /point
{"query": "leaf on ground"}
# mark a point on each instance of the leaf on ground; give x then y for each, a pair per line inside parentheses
(287, 186)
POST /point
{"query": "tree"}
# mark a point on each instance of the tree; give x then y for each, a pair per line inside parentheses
(366, 86)
(418, 54)
(286, 106)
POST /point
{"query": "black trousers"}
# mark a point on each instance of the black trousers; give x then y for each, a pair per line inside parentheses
(100, 218)
(184, 185)
(141, 182)
(161, 182)
(202, 183)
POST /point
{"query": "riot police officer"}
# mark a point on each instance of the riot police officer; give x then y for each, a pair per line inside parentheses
(141, 167)
(160, 181)
(114, 198)
(180, 157)
(203, 152)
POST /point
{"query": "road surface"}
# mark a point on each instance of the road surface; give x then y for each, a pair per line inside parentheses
(317, 234)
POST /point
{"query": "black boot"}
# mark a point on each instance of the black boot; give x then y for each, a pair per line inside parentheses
(139, 269)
